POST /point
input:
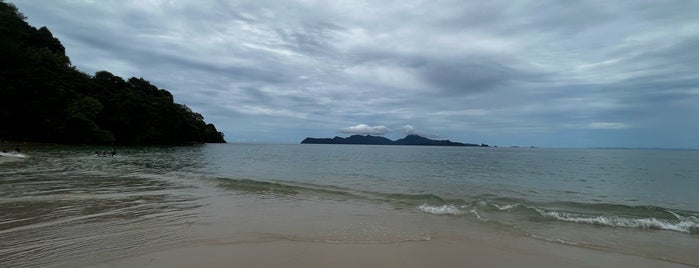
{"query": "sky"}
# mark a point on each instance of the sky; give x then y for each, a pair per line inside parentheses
(507, 73)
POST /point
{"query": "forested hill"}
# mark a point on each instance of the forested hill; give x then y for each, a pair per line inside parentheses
(378, 140)
(44, 98)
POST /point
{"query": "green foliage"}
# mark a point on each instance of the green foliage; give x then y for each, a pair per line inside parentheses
(44, 98)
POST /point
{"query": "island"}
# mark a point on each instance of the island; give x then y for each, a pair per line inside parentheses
(378, 140)
(44, 98)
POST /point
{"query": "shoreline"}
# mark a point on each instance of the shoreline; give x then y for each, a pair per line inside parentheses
(450, 251)
(246, 206)
(10, 145)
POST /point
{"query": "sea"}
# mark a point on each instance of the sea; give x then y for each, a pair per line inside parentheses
(67, 206)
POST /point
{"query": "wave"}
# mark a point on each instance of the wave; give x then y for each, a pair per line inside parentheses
(486, 207)
(261, 187)
(283, 189)
(611, 215)
(682, 224)
(440, 210)
(410, 198)
(279, 188)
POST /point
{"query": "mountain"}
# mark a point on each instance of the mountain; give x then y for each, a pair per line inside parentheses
(377, 140)
(419, 140)
(354, 139)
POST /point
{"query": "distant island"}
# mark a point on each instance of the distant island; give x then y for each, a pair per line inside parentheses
(44, 98)
(378, 140)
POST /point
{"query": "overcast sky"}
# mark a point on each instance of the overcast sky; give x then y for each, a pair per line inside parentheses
(541, 73)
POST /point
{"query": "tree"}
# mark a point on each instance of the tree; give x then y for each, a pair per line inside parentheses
(44, 98)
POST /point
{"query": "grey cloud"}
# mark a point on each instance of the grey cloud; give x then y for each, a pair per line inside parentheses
(408, 130)
(311, 37)
(467, 75)
(141, 54)
(527, 17)
(459, 68)
(456, 75)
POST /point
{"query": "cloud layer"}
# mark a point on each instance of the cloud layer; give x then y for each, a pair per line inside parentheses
(544, 73)
(363, 129)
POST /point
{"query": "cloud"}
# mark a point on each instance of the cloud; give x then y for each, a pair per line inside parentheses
(363, 129)
(408, 130)
(550, 71)
(608, 125)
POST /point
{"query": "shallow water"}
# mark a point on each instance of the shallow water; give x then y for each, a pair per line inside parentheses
(66, 205)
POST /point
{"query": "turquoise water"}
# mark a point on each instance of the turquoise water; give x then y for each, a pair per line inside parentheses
(63, 202)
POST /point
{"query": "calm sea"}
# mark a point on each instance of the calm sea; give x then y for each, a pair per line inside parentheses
(69, 205)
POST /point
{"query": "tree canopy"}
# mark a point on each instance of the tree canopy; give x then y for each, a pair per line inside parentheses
(45, 98)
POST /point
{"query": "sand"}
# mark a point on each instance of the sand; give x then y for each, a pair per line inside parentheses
(235, 228)
(268, 233)
(7, 159)
(442, 252)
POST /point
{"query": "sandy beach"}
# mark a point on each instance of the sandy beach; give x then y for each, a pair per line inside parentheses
(252, 206)
(8, 159)
(442, 252)
(310, 133)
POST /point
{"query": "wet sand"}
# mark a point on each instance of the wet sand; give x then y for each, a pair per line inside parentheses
(8, 159)
(73, 209)
(255, 232)
(440, 252)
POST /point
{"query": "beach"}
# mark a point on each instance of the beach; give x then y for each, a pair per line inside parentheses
(440, 252)
(246, 205)
(321, 232)
(8, 159)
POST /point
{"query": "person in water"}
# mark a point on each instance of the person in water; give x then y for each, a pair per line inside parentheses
(113, 152)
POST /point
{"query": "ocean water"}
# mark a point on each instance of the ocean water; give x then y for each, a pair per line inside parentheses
(67, 206)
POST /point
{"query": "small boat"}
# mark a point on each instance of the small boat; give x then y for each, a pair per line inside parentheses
(17, 155)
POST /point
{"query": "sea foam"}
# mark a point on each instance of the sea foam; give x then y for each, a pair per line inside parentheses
(684, 224)
(506, 206)
(440, 210)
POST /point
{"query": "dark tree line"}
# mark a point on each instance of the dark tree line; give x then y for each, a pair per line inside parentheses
(44, 98)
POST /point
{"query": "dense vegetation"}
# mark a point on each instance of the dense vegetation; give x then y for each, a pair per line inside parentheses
(44, 98)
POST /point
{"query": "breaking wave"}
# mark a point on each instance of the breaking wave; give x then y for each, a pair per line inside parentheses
(680, 224)
(440, 210)
(488, 208)
(610, 215)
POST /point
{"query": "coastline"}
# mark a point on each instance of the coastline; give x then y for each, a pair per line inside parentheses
(452, 251)
(4, 160)
(10, 145)
(254, 231)
(251, 206)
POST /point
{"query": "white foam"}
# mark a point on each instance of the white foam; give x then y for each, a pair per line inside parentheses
(18, 155)
(556, 240)
(440, 210)
(478, 216)
(684, 225)
(505, 207)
